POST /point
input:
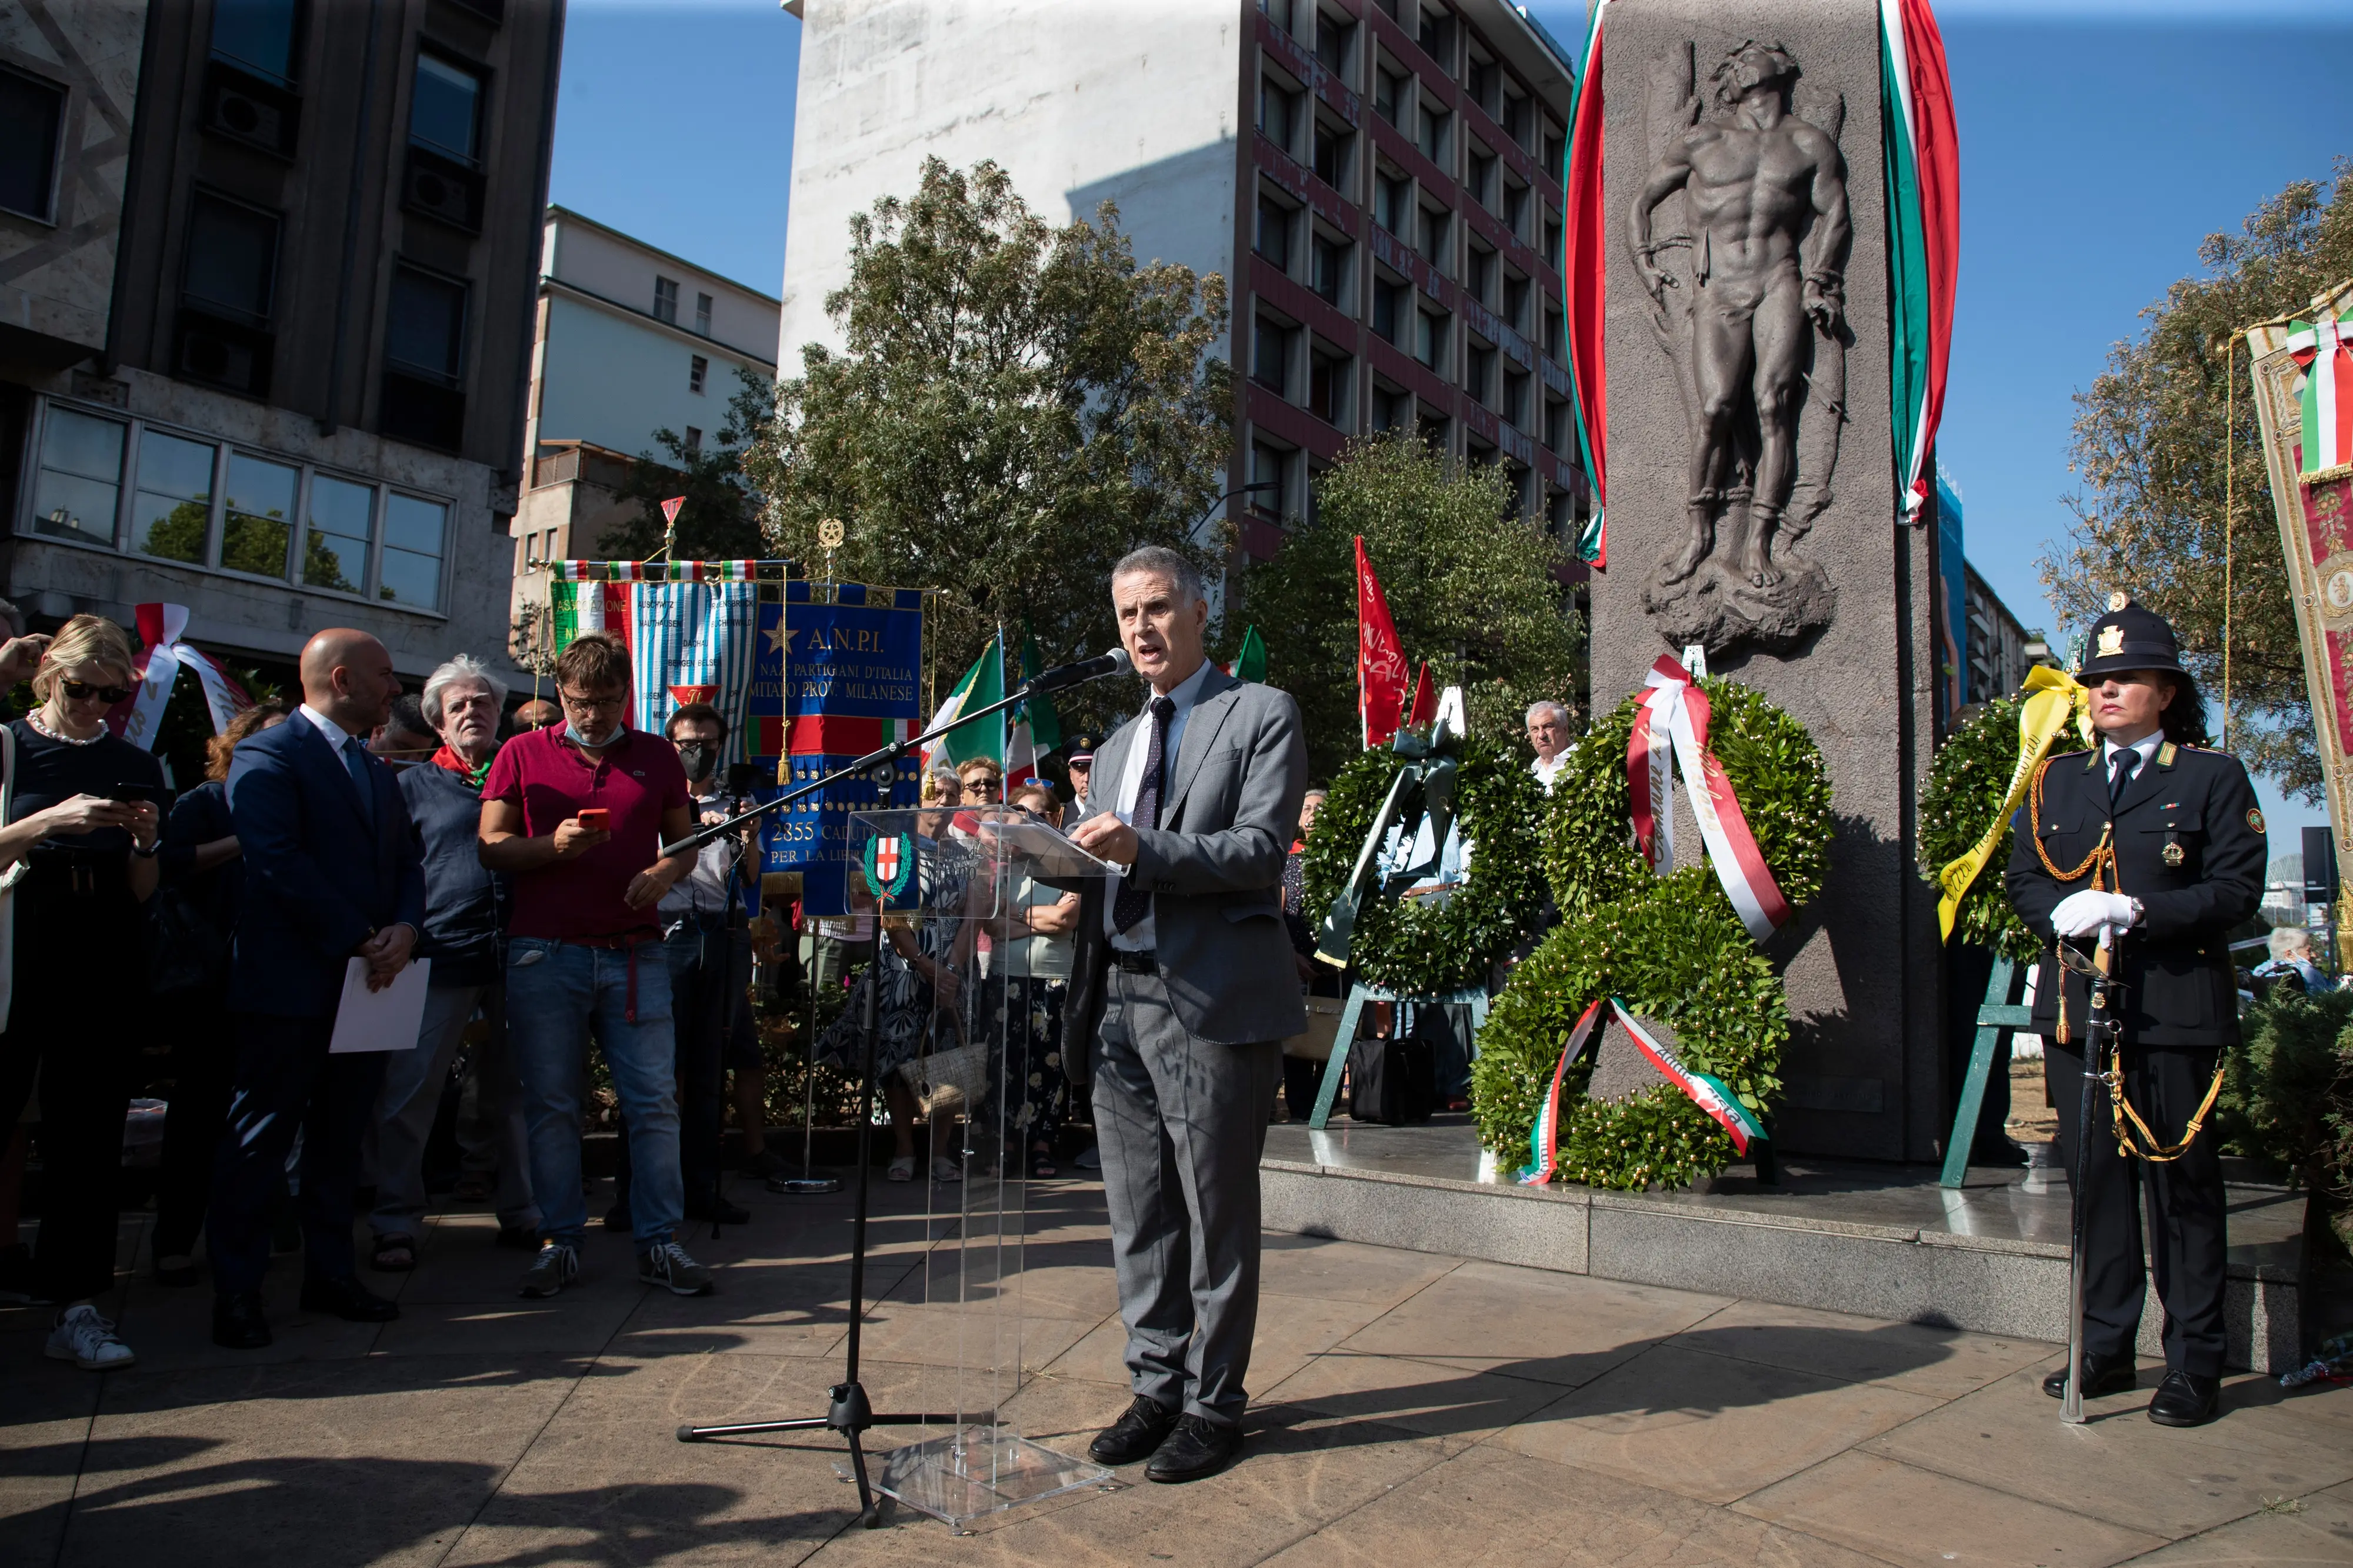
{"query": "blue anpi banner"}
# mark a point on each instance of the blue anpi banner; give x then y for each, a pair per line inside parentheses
(839, 675)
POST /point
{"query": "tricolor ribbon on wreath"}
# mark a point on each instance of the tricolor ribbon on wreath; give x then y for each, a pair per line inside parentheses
(2323, 349)
(1673, 729)
(2053, 696)
(1707, 1091)
(158, 669)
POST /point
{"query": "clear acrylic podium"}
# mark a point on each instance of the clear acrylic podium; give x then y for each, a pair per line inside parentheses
(954, 1024)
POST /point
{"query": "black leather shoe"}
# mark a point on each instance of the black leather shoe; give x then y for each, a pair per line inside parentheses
(349, 1300)
(2102, 1374)
(716, 1210)
(1137, 1434)
(237, 1321)
(2185, 1399)
(1196, 1449)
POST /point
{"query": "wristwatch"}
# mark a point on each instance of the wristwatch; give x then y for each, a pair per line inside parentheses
(150, 852)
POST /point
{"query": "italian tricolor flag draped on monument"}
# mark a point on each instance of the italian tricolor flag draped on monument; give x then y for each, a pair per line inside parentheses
(1924, 234)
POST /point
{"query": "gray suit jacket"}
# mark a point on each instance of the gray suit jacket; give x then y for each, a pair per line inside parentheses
(1230, 812)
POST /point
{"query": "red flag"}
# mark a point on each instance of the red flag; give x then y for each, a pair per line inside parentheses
(1380, 662)
(670, 509)
(1425, 699)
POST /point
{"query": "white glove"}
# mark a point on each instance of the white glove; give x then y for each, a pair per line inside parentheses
(2081, 914)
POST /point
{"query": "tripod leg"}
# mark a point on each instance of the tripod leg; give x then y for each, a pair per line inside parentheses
(869, 1514)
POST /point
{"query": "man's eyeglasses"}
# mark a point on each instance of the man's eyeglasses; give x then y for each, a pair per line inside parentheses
(579, 703)
(83, 692)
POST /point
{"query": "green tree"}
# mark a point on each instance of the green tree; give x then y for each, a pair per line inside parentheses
(1469, 582)
(721, 518)
(2150, 451)
(1014, 407)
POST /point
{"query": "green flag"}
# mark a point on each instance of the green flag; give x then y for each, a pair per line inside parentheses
(1250, 665)
(983, 684)
(1045, 724)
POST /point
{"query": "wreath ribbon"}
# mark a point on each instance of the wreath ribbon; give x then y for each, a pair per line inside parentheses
(160, 627)
(2053, 696)
(1423, 790)
(1707, 1091)
(1671, 731)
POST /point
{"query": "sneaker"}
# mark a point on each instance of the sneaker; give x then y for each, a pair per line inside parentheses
(556, 1267)
(669, 1266)
(87, 1340)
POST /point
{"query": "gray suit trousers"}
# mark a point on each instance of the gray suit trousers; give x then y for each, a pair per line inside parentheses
(1181, 1123)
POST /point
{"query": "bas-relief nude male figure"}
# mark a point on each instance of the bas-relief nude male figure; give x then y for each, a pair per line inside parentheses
(1765, 193)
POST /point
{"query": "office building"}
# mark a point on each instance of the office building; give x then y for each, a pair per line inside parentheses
(629, 339)
(266, 279)
(1380, 181)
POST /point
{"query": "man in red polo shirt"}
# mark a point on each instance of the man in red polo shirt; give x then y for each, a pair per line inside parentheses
(576, 815)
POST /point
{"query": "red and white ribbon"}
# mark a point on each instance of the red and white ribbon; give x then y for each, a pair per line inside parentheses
(158, 670)
(1675, 715)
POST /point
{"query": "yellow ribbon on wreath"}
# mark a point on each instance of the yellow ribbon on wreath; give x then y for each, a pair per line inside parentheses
(2053, 696)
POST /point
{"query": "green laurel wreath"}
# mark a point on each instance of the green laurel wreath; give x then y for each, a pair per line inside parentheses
(1671, 947)
(1408, 945)
(1966, 785)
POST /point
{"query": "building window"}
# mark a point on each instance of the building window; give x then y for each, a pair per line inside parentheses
(1556, 335)
(1393, 205)
(1556, 155)
(1515, 300)
(1515, 118)
(702, 314)
(1478, 374)
(1389, 90)
(1552, 239)
(1334, 146)
(1436, 433)
(1277, 12)
(1482, 78)
(232, 260)
(413, 542)
(1436, 125)
(1560, 512)
(1515, 209)
(697, 370)
(1328, 379)
(1478, 176)
(32, 124)
(1437, 227)
(1436, 35)
(1273, 240)
(1270, 356)
(1391, 408)
(1555, 426)
(1269, 465)
(666, 300)
(1515, 407)
(1335, 35)
(172, 510)
(1479, 276)
(445, 114)
(336, 535)
(424, 351)
(1429, 339)
(1328, 269)
(259, 521)
(694, 441)
(257, 35)
(1389, 309)
(1277, 112)
(81, 476)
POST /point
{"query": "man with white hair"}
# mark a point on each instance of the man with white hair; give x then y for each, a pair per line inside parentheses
(1548, 733)
(465, 908)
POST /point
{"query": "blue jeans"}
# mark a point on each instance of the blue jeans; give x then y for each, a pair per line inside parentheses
(554, 989)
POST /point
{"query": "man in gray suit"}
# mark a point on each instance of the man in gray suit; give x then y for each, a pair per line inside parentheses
(1183, 987)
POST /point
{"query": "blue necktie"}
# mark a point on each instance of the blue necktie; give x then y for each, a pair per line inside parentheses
(356, 764)
(2127, 764)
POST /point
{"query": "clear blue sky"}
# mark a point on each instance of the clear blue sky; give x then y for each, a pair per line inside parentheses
(2101, 140)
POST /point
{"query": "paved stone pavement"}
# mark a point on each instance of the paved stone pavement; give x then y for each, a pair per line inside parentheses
(1411, 1409)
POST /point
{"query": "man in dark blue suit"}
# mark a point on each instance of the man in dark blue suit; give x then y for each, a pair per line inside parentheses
(334, 871)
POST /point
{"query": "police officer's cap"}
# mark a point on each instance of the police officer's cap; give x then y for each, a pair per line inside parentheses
(2129, 638)
(1081, 748)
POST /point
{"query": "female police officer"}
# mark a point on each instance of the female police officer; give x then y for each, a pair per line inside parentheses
(2156, 841)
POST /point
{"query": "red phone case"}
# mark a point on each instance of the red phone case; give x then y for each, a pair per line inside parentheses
(597, 818)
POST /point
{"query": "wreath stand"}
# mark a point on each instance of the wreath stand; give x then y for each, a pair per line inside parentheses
(1999, 1017)
(1336, 1063)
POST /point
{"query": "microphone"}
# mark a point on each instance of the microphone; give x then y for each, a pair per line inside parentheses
(1083, 670)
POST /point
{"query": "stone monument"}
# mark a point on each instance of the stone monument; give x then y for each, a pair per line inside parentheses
(1752, 504)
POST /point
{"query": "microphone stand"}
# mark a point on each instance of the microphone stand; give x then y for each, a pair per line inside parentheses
(848, 1412)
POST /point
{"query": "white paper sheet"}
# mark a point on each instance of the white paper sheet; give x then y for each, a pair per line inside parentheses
(384, 1020)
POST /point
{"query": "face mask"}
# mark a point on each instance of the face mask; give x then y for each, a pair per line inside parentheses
(695, 756)
(573, 735)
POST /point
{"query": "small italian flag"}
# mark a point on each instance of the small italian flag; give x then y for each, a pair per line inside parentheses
(983, 684)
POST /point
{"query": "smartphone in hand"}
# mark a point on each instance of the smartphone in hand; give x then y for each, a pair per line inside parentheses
(138, 794)
(595, 818)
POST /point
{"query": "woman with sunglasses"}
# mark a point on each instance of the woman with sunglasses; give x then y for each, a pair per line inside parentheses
(82, 834)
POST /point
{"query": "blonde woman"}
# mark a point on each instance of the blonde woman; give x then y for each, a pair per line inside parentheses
(84, 822)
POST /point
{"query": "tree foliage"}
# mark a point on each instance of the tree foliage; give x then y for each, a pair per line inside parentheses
(1014, 407)
(1469, 583)
(2151, 447)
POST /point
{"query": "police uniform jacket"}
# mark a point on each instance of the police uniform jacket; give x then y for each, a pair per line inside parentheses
(2189, 846)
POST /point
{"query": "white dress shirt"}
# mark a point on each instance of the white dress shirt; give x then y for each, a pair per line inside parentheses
(1139, 938)
(335, 733)
(2146, 746)
(1546, 771)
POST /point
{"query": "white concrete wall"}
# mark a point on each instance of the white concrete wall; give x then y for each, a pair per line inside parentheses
(610, 265)
(613, 380)
(1082, 101)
